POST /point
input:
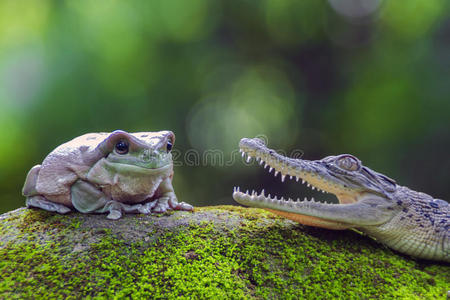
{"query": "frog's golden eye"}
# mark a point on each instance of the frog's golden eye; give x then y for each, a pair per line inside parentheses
(348, 163)
(122, 147)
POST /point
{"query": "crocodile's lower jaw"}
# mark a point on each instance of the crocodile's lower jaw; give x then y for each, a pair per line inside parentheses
(310, 221)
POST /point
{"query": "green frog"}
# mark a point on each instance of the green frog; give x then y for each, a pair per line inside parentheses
(112, 173)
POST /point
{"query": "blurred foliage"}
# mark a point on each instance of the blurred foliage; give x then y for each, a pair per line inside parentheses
(366, 77)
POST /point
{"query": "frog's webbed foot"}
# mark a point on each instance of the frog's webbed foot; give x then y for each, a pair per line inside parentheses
(168, 199)
(175, 205)
(41, 202)
(114, 214)
(161, 205)
(147, 207)
(166, 203)
(139, 208)
(115, 209)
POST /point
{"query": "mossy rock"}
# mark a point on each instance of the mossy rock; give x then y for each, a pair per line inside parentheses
(215, 252)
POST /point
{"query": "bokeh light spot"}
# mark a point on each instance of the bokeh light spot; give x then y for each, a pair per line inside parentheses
(355, 8)
(294, 22)
(187, 20)
(260, 101)
(22, 22)
(414, 18)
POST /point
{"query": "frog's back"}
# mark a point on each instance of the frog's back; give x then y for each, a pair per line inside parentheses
(65, 165)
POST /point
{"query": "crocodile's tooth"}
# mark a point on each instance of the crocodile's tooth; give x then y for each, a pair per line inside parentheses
(297, 178)
(276, 173)
(308, 185)
(249, 158)
(246, 192)
(270, 170)
(313, 188)
(262, 193)
(312, 199)
(303, 181)
(306, 200)
(261, 162)
(290, 177)
(243, 154)
(268, 196)
(283, 177)
(265, 165)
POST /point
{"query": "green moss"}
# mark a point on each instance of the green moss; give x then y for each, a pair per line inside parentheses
(263, 257)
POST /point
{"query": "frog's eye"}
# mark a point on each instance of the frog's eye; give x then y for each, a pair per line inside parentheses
(348, 163)
(122, 147)
(169, 146)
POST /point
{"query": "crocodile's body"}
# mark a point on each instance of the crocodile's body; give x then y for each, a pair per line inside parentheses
(411, 222)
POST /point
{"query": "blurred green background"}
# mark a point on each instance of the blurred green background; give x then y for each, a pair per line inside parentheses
(366, 77)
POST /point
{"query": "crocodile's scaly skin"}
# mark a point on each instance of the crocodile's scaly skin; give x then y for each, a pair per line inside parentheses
(411, 222)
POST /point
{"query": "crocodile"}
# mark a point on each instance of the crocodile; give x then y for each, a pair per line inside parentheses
(407, 221)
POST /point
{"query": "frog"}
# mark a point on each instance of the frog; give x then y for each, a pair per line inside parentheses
(113, 173)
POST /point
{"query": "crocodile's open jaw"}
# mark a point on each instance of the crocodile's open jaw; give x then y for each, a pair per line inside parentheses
(304, 171)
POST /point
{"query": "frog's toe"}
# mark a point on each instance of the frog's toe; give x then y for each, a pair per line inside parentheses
(175, 205)
(147, 207)
(114, 214)
(162, 205)
(183, 206)
(63, 209)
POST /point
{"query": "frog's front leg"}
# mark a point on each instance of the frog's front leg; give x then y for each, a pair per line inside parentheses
(87, 198)
(168, 199)
(41, 202)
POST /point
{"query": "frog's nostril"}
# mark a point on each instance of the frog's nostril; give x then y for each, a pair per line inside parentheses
(146, 155)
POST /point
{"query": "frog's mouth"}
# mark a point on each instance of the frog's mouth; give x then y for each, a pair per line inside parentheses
(137, 168)
(157, 165)
(144, 160)
(134, 168)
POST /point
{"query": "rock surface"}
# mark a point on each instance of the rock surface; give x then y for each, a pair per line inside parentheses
(215, 252)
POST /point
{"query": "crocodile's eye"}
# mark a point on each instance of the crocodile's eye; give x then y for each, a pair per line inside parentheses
(348, 163)
(169, 146)
(122, 147)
